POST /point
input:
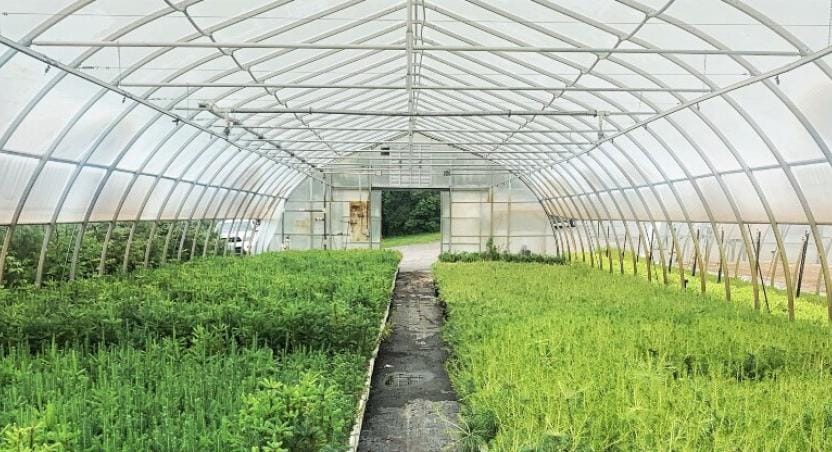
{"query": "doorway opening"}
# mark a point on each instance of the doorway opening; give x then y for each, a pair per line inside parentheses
(410, 217)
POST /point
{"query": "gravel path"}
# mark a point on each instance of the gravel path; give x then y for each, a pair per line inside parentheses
(412, 406)
(418, 258)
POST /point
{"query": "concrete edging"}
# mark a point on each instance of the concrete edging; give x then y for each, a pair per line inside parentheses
(355, 435)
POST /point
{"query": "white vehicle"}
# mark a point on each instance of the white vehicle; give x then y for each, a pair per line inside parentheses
(240, 236)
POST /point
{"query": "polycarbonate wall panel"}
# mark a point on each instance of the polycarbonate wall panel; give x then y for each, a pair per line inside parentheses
(508, 214)
(512, 217)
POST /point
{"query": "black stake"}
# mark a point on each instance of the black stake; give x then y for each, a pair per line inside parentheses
(757, 264)
(802, 264)
(695, 253)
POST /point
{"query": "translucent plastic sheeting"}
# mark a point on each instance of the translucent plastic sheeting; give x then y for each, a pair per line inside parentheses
(681, 111)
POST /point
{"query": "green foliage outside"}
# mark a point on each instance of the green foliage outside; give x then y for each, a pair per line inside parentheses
(415, 239)
(263, 353)
(408, 212)
(573, 358)
(24, 252)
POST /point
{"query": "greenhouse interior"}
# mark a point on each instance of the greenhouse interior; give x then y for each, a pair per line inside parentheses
(415, 225)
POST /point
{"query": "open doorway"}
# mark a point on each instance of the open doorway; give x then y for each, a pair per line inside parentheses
(410, 217)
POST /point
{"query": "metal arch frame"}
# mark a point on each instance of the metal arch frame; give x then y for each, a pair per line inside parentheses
(280, 86)
(787, 167)
(287, 177)
(702, 199)
(257, 97)
(66, 70)
(170, 192)
(585, 21)
(775, 152)
(534, 68)
(179, 209)
(240, 209)
(752, 178)
(773, 149)
(247, 69)
(182, 204)
(81, 112)
(459, 131)
(43, 250)
(817, 236)
(152, 190)
(584, 71)
(536, 194)
(352, 96)
(581, 69)
(232, 71)
(10, 130)
(597, 215)
(275, 180)
(277, 126)
(301, 94)
(300, 64)
(690, 141)
(287, 180)
(225, 176)
(571, 209)
(129, 190)
(561, 244)
(415, 47)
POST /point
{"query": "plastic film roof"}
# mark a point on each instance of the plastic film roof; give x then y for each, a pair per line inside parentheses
(655, 110)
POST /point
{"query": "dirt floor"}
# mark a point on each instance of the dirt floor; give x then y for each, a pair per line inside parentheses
(412, 406)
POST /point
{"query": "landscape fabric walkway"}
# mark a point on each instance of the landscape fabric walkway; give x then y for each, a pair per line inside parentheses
(412, 407)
